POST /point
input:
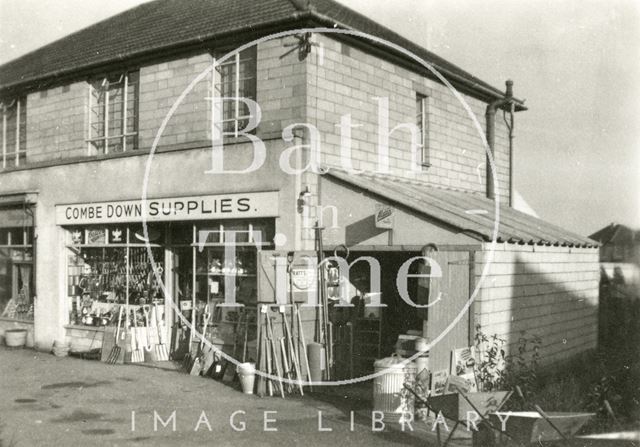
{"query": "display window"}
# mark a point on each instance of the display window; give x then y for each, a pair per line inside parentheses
(16, 273)
(109, 266)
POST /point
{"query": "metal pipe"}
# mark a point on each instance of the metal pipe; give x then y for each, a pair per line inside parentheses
(490, 117)
(510, 125)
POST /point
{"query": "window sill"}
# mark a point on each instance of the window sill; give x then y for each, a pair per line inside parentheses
(85, 328)
(136, 153)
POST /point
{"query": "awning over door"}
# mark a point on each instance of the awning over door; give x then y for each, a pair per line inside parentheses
(470, 213)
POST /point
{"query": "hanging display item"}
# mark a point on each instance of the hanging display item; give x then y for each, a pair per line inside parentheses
(108, 268)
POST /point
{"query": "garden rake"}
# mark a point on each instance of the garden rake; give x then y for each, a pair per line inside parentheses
(116, 350)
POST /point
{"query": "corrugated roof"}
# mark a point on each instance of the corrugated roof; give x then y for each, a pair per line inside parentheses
(166, 24)
(466, 211)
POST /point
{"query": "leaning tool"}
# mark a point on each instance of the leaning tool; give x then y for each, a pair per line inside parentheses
(304, 346)
(137, 354)
(274, 352)
(265, 352)
(116, 350)
(230, 371)
(294, 355)
(197, 366)
(161, 348)
(262, 363)
(149, 351)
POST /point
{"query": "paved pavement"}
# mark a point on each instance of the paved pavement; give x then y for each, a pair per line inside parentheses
(45, 400)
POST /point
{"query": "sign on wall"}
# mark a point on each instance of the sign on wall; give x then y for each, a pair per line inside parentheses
(384, 216)
(214, 207)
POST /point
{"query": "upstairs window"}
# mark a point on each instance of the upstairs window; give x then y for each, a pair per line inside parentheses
(236, 78)
(113, 113)
(422, 121)
(14, 133)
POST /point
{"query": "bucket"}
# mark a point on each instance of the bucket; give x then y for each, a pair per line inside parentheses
(389, 394)
(247, 374)
(15, 338)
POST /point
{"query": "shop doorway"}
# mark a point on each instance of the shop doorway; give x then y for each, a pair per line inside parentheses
(373, 334)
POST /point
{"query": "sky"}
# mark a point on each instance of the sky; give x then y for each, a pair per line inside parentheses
(576, 62)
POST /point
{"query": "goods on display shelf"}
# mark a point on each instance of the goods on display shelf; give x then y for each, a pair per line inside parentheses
(104, 270)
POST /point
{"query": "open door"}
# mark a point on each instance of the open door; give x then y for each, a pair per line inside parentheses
(448, 295)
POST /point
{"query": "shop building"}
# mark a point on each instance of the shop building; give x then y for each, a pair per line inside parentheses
(80, 117)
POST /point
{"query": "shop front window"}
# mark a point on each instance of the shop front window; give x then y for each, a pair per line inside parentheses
(110, 266)
(16, 273)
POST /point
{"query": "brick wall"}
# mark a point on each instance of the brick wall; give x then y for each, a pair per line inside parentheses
(548, 291)
(344, 80)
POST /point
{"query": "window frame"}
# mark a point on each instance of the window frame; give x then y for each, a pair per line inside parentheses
(105, 138)
(20, 132)
(24, 245)
(422, 119)
(217, 81)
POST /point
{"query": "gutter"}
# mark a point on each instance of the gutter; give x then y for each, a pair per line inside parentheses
(457, 78)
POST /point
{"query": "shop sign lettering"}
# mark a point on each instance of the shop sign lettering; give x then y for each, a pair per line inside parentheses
(228, 206)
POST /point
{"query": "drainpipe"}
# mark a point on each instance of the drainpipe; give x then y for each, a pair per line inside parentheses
(510, 123)
(490, 117)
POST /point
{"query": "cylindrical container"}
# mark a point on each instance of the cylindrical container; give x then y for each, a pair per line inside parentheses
(389, 394)
(247, 374)
(421, 344)
(315, 351)
(15, 338)
(422, 363)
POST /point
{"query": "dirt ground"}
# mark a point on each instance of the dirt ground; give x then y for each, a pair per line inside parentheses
(46, 400)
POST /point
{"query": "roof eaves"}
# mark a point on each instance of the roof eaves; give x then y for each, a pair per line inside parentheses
(471, 82)
(199, 40)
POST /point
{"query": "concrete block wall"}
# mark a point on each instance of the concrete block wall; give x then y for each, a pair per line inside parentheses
(160, 87)
(551, 292)
(56, 123)
(281, 86)
(57, 118)
(344, 80)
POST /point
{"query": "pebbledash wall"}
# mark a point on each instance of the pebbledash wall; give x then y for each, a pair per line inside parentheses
(551, 292)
